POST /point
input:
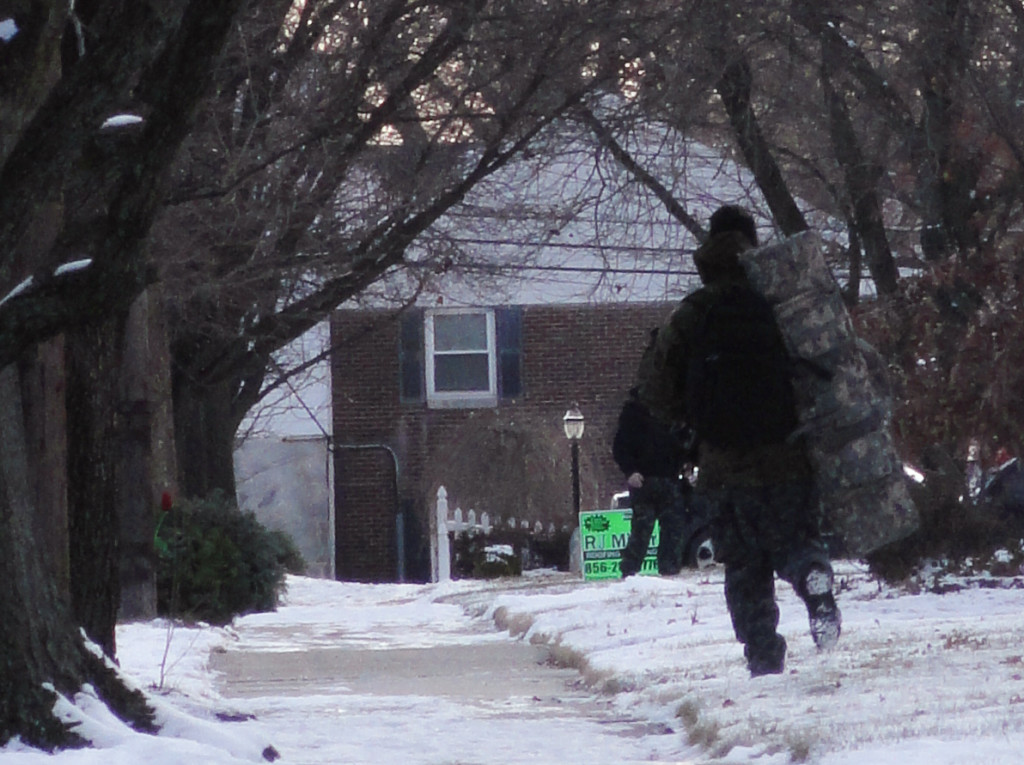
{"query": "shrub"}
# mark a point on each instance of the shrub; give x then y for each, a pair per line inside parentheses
(953, 339)
(477, 556)
(508, 552)
(216, 561)
(953, 530)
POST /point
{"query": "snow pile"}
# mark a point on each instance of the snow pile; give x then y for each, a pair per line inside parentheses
(170, 664)
(8, 30)
(923, 679)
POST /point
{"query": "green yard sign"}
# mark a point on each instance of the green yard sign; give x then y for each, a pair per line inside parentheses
(603, 535)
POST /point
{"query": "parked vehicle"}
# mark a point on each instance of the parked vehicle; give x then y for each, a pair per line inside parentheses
(1004, 488)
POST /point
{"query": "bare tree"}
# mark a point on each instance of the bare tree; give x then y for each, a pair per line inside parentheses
(75, 210)
(891, 129)
(321, 161)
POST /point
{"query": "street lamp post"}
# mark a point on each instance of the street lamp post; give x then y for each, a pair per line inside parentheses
(572, 423)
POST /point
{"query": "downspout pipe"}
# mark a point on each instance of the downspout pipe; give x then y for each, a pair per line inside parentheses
(399, 515)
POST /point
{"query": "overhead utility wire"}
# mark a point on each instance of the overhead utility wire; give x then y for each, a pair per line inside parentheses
(499, 267)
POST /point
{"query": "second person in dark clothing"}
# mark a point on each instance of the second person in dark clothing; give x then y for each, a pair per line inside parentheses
(651, 456)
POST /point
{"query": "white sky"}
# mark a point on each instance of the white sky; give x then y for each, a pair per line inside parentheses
(915, 680)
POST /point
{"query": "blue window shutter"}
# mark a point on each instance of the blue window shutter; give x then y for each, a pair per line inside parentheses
(412, 385)
(509, 331)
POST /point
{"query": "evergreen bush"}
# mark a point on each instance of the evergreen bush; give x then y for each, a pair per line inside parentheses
(217, 562)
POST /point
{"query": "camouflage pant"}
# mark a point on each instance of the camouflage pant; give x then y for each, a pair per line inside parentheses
(662, 500)
(760, 532)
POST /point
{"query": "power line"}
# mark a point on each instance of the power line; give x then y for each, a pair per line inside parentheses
(496, 268)
(655, 250)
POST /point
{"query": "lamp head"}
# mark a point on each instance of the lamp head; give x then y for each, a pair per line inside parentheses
(572, 423)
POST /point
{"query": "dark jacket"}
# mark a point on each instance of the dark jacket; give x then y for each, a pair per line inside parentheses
(663, 372)
(644, 445)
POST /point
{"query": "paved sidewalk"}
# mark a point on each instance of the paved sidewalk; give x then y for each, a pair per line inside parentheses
(472, 673)
(379, 704)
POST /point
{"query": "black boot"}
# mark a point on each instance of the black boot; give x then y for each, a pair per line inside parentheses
(628, 566)
(767, 657)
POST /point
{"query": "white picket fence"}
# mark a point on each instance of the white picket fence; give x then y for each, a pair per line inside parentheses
(448, 522)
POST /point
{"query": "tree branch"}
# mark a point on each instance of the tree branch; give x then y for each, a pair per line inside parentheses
(606, 139)
(734, 87)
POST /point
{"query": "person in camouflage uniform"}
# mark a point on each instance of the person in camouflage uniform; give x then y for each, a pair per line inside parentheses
(650, 455)
(766, 516)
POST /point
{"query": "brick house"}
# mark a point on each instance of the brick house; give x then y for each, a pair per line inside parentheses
(472, 398)
(469, 392)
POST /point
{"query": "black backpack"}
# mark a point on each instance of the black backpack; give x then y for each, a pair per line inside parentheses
(739, 390)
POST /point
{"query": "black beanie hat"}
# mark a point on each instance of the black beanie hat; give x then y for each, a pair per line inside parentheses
(733, 218)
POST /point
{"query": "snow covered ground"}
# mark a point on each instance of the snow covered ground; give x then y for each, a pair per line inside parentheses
(917, 679)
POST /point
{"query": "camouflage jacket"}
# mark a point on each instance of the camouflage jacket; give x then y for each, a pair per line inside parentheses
(662, 377)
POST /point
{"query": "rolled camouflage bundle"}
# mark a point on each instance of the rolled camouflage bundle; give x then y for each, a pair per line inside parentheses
(844, 403)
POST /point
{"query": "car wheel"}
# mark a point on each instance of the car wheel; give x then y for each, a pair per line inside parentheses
(701, 551)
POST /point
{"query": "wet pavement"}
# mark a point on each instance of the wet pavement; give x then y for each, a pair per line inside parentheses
(482, 699)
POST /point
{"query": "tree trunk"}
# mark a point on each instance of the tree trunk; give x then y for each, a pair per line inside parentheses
(734, 87)
(145, 468)
(93, 364)
(861, 176)
(205, 424)
(28, 77)
(43, 386)
(39, 642)
(159, 56)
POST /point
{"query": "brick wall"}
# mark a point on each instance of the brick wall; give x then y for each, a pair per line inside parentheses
(587, 354)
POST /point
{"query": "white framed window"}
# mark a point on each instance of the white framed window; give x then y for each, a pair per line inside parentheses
(461, 362)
